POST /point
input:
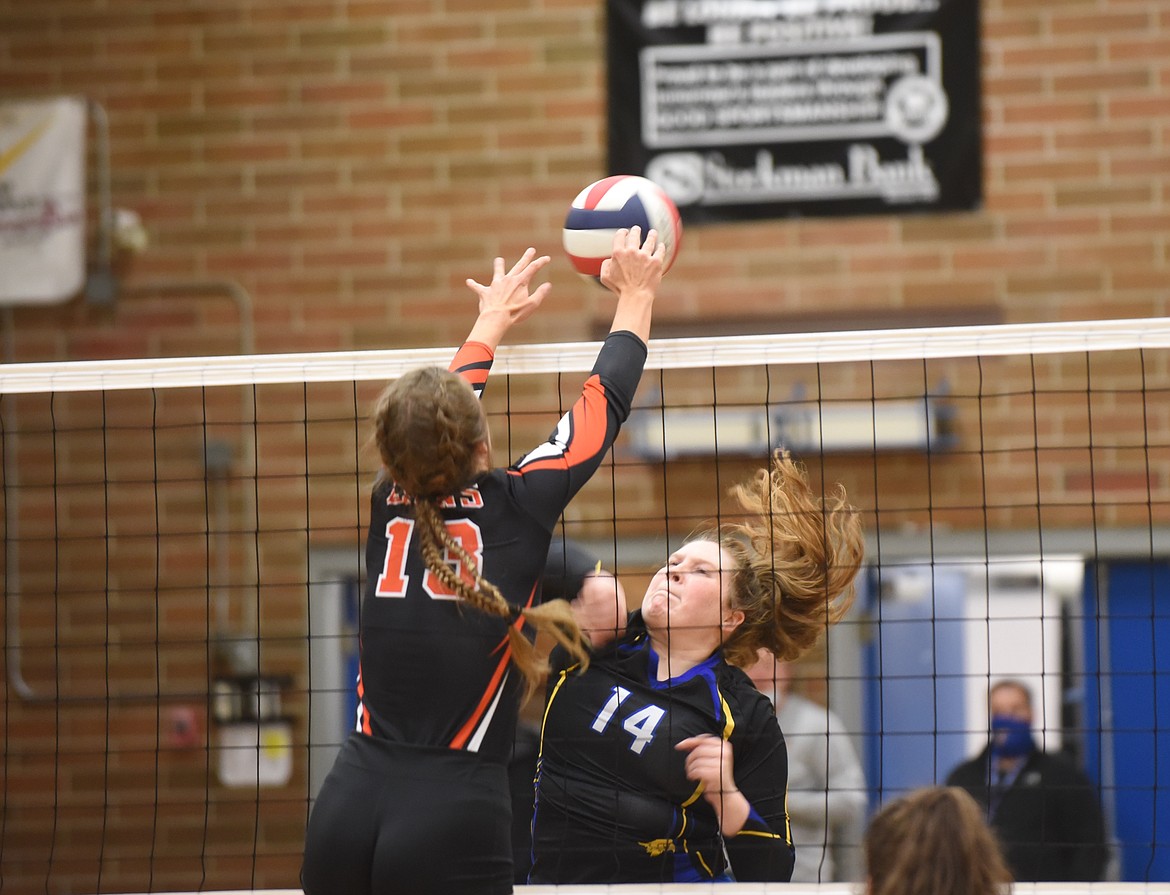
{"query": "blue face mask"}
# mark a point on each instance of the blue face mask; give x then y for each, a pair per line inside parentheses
(1010, 737)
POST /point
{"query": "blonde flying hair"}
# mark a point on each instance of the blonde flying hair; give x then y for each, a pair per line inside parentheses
(934, 841)
(428, 426)
(796, 555)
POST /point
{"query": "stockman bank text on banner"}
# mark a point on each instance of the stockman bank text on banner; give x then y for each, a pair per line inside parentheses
(42, 200)
(752, 109)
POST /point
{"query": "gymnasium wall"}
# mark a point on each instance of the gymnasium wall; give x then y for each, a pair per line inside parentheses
(332, 170)
(351, 162)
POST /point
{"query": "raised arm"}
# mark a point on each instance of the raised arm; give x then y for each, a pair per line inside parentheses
(633, 273)
(595, 595)
(547, 477)
(506, 300)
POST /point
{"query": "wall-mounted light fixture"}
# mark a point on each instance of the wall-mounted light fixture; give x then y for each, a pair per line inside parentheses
(803, 427)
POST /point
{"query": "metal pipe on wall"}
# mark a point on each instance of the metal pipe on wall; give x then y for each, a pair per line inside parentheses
(212, 288)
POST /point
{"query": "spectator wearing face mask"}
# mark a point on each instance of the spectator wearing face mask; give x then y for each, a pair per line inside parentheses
(1043, 809)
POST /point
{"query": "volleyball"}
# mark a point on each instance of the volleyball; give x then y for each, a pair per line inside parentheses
(611, 204)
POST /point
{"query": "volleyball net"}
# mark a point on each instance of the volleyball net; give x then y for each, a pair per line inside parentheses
(183, 557)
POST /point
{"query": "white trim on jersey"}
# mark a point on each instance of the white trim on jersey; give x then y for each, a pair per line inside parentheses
(482, 728)
(360, 704)
(554, 447)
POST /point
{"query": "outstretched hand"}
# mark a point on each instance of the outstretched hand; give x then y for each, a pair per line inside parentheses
(506, 300)
(634, 264)
(634, 272)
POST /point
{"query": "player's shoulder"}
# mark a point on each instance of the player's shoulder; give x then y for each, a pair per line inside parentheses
(735, 679)
(491, 496)
(742, 695)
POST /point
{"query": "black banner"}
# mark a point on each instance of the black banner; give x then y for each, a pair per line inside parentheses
(751, 109)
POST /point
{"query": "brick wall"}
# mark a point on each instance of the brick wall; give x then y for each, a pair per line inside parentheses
(323, 175)
(350, 167)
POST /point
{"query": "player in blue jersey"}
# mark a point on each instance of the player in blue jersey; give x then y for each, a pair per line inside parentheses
(417, 801)
(661, 762)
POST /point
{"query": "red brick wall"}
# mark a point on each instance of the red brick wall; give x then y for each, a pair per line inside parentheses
(345, 165)
(351, 166)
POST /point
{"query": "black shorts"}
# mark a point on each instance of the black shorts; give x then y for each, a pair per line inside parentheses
(392, 818)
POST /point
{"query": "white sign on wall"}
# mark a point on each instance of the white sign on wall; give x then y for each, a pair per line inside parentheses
(42, 200)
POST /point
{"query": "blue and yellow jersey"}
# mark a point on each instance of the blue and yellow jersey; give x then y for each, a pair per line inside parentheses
(613, 802)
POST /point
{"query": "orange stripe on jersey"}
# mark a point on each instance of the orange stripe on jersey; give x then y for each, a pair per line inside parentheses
(361, 692)
(589, 423)
(473, 362)
(489, 694)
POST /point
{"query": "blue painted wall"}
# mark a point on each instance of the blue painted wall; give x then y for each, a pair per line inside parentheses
(1127, 708)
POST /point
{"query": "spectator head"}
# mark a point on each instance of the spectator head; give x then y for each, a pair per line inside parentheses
(933, 841)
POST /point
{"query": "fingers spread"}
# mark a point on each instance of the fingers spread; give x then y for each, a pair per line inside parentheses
(524, 259)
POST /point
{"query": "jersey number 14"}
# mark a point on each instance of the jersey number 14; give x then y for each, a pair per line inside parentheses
(640, 725)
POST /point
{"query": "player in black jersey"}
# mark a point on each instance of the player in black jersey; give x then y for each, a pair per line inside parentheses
(661, 762)
(417, 801)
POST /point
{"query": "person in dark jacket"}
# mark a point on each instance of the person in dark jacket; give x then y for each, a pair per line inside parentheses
(1043, 808)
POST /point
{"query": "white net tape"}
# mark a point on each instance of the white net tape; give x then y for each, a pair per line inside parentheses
(667, 354)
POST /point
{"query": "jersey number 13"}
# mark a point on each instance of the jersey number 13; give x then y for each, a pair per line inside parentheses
(393, 582)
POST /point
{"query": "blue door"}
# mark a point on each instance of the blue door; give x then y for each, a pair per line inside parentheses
(1127, 709)
(914, 707)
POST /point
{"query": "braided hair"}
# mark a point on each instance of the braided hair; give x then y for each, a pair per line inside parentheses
(429, 427)
(796, 555)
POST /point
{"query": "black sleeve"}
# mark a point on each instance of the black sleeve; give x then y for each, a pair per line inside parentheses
(545, 479)
(568, 564)
(762, 851)
(619, 367)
